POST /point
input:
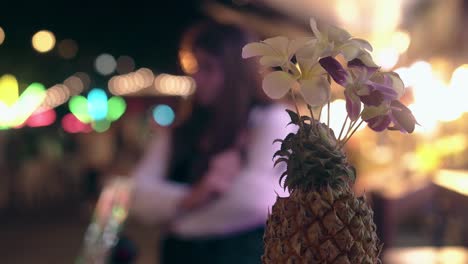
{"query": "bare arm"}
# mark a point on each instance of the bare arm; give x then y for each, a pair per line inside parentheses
(155, 200)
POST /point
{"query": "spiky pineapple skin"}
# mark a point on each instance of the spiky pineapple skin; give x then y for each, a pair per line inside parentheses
(322, 221)
(330, 226)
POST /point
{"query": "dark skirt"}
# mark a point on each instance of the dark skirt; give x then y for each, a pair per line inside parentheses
(245, 248)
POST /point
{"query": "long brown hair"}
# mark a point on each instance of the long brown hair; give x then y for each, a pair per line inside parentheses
(218, 128)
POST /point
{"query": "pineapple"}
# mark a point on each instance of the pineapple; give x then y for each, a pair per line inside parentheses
(322, 221)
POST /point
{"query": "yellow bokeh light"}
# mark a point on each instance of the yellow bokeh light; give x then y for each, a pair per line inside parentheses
(8, 89)
(43, 41)
(460, 76)
(453, 180)
(2, 36)
(434, 99)
(401, 41)
(348, 12)
(387, 58)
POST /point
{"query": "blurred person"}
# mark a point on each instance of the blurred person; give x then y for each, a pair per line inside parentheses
(210, 180)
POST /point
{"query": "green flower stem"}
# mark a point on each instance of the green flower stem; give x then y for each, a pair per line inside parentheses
(295, 105)
(354, 131)
(311, 113)
(351, 126)
(320, 113)
(342, 127)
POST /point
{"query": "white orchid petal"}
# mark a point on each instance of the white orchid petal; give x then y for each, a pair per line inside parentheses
(272, 61)
(280, 44)
(362, 43)
(298, 44)
(310, 51)
(306, 64)
(317, 70)
(366, 58)
(313, 25)
(337, 34)
(277, 84)
(256, 49)
(350, 51)
(316, 91)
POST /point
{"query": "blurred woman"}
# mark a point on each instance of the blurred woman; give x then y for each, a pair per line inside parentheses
(211, 180)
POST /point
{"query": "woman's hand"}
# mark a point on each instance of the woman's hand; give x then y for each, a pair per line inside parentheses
(222, 170)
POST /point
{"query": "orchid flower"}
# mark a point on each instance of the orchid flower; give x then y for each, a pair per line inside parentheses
(381, 117)
(307, 75)
(275, 52)
(363, 84)
(377, 91)
(334, 40)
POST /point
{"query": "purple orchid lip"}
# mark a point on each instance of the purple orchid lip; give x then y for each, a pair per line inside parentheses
(375, 98)
(379, 123)
(353, 108)
(335, 69)
(387, 91)
(402, 117)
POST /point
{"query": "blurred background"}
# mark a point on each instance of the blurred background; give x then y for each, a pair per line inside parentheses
(59, 144)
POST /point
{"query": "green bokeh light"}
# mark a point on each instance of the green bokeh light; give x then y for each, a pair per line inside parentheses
(101, 125)
(116, 108)
(79, 107)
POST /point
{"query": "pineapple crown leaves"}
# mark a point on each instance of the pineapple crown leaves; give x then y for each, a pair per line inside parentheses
(313, 158)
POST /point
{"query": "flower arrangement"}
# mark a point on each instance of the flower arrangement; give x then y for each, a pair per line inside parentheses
(322, 221)
(309, 64)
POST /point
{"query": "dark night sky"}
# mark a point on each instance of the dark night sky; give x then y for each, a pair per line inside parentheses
(148, 32)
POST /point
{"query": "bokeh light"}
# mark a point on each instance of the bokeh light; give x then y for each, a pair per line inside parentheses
(401, 41)
(435, 100)
(79, 107)
(28, 102)
(71, 124)
(85, 79)
(97, 104)
(105, 64)
(101, 125)
(387, 58)
(67, 48)
(131, 82)
(43, 41)
(116, 108)
(8, 89)
(74, 84)
(125, 64)
(2, 36)
(338, 116)
(56, 95)
(96, 110)
(42, 118)
(174, 85)
(15, 108)
(188, 62)
(163, 115)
